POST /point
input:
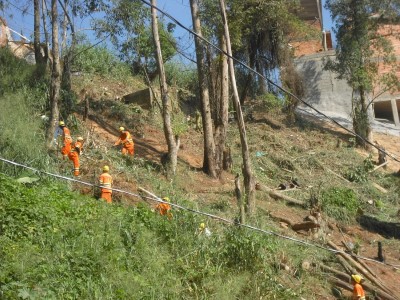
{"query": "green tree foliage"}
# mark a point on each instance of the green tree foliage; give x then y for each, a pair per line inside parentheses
(361, 51)
(128, 24)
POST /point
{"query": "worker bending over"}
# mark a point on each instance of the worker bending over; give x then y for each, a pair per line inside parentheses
(74, 154)
(125, 138)
(66, 136)
(358, 291)
(106, 184)
(164, 209)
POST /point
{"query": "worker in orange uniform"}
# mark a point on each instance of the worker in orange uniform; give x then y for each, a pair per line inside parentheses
(358, 291)
(164, 209)
(74, 154)
(125, 138)
(105, 184)
(66, 136)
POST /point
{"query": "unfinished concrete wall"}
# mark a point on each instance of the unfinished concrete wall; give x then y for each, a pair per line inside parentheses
(323, 90)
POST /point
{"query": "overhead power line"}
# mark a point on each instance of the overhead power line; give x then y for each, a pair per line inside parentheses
(268, 80)
(215, 217)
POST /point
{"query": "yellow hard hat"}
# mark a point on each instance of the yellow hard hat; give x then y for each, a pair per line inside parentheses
(121, 128)
(357, 278)
(202, 225)
(106, 168)
(79, 138)
(166, 199)
(61, 123)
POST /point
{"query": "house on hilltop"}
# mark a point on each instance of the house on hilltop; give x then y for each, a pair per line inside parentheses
(22, 49)
(323, 90)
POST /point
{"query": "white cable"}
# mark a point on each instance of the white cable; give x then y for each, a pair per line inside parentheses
(157, 199)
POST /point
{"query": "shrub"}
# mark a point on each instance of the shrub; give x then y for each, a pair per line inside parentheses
(99, 60)
(360, 173)
(340, 203)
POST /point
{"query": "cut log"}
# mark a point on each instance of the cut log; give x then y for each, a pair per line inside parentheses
(358, 267)
(359, 260)
(378, 167)
(275, 195)
(345, 278)
(305, 226)
(378, 187)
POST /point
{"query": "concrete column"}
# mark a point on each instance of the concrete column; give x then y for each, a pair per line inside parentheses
(395, 113)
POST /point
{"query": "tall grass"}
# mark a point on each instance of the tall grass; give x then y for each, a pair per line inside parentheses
(22, 100)
(58, 245)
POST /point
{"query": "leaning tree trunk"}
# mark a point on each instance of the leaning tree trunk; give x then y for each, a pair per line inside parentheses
(169, 135)
(55, 77)
(209, 166)
(247, 171)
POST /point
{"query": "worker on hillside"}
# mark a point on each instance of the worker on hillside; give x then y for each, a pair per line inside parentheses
(74, 154)
(106, 184)
(125, 138)
(66, 136)
(164, 209)
(358, 291)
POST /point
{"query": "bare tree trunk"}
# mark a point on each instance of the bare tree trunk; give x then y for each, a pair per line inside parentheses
(209, 146)
(247, 171)
(46, 34)
(66, 71)
(169, 135)
(36, 32)
(223, 107)
(361, 120)
(55, 76)
(64, 28)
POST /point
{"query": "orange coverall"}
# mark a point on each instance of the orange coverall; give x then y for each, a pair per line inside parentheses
(164, 210)
(358, 292)
(67, 142)
(74, 156)
(105, 183)
(126, 139)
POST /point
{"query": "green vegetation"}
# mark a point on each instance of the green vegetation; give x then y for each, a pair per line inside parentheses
(58, 245)
(99, 60)
(340, 203)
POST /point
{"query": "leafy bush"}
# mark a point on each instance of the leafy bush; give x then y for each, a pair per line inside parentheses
(340, 203)
(99, 60)
(360, 173)
(14, 73)
(271, 101)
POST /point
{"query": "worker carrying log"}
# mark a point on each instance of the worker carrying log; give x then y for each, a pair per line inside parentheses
(125, 138)
(106, 184)
(63, 131)
(358, 291)
(74, 154)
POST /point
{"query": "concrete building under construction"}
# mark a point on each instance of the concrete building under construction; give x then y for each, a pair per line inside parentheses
(323, 90)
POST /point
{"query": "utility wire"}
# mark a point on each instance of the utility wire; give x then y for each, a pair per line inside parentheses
(157, 199)
(268, 80)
